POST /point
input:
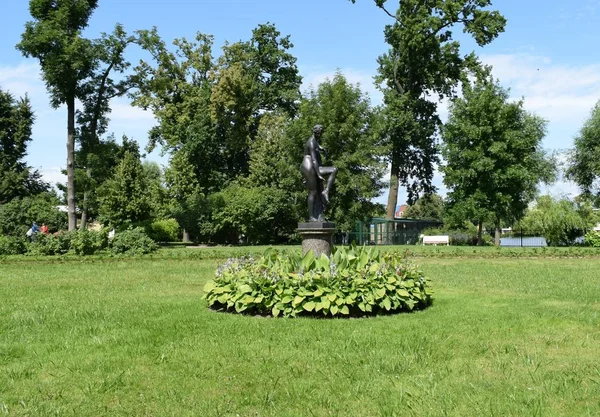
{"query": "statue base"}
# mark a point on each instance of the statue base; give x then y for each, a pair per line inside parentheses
(317, 236)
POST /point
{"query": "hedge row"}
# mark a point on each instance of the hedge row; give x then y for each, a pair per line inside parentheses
(80, 242)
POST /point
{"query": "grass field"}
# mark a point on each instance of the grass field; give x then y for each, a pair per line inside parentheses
(505, 337)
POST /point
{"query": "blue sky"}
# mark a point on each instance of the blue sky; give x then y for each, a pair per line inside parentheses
(545, 56)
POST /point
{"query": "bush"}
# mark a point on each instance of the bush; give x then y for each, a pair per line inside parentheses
(46, 245)
(79, 242)
(17, 215)
(356, 281)
(10, 245)
(166, 230)
(592, 239)
(88, 242)
(132, 242)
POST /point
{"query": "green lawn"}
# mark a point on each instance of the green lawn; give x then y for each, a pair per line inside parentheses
(505, 337)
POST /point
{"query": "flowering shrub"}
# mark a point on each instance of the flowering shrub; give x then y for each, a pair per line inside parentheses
(355, 281)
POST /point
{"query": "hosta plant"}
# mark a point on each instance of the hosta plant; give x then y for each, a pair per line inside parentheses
(355, 281)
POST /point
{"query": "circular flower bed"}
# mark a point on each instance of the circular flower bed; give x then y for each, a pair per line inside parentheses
(356, 281)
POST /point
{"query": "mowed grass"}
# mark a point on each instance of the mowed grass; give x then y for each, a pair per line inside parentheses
(505, 337)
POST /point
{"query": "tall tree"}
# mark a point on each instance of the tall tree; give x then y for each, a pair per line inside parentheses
(66, 58)
(493, 154)
(350, 137)
(252, 78)
(211, 109)
(16, 120)
(584, 164)
(96, 93)
(177, 88)
(125, 197)
(424, 61)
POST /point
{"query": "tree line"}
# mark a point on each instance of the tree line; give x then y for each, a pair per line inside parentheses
(233, 126)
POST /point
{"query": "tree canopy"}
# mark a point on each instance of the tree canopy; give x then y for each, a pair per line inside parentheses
(16, 121)
(424, 63)
(584, 161)
(493, 155)
(54, 37)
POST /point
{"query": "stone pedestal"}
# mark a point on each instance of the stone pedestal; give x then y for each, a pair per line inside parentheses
(317, 236)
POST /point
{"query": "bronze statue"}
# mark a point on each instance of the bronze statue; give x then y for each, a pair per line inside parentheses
(313, 173)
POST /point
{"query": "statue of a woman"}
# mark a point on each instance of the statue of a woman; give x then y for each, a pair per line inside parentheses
(313, 173)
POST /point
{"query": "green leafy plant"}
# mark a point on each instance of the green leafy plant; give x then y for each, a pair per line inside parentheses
(165, 230)
(10, 245)
(132, 242)
(47, 245)
(592, 238)
(355, 281)
(88, 242)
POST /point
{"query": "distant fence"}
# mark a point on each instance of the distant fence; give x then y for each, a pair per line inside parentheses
(523, 241)
(408, 232)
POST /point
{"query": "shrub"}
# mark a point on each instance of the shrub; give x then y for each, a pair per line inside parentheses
(58, 244)
(355, 281)
(10, 245)
(166, 230)
(17, 215)
(592, 239)
(132, 242)
(88, 242)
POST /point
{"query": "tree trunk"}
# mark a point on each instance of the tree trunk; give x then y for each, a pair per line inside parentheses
(84, 212)
(497, 233)
(393, 195)
(480, 233)
(71, 163)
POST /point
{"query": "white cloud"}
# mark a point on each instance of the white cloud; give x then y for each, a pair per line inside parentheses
(122, 110)
(312, 77)
(53, 175)
(563, 94)
(22, 79)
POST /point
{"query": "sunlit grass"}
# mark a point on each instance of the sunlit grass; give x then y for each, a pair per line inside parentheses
(505, 337)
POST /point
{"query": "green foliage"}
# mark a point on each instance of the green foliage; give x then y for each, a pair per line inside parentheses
(584, 164)
(17, 216)
(88, 242)
(356, 281)
(251, 79)
(424, 60)
(125, 198)
(12, 245)
(49, 245)
(493, 155)
(259, 214)
(164, 230)
(353, 147)
(18, 179)
(214, 117)
(559, 221)
(132, 242)
(427, 207)
(54, 37)
(592, 238)
(77, 242)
